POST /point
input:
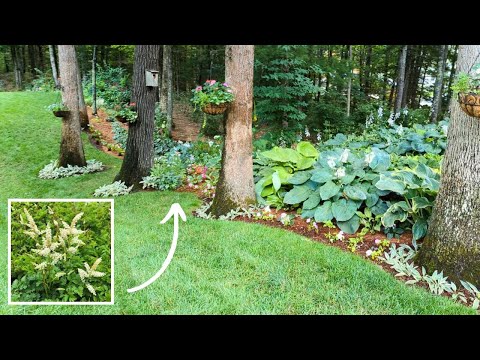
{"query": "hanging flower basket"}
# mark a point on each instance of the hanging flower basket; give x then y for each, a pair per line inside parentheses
(61, 113)
(121, 119)
(213, 109)
(470, 103)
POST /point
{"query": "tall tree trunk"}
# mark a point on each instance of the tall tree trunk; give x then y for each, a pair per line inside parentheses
(82, 108)
(31, 58)
(420, 93)
(71, 146)
(414, 79)
(368, 68)
(401, 78)
(385, 73)
(452, 74)
(139, 154)
(53, 64)
(408, 74)
(166, 90)
(94, 80)
(41, 60)
(16, 66)
(235, 184)
(329, 62)
(452, 243)
(437, 94)
(349, 88)
(170, 94)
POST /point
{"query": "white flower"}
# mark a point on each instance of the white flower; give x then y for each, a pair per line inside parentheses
(369, 157)
(258, 214)
(368, 253)
(210, 143)
(307, 132)
(344, 156)
(340, 172)
(399, 130)
(41, 266)
(377, 241)
(380, 112)
(72, 250)
(283, 216)
(308, 220)
(369, 121)
(90, 288)
(319, 137)
(445, 128)
(340, 236)
(331, 162)
(267, 209)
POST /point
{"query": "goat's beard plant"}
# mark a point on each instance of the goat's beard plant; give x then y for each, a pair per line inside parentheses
(58, 271)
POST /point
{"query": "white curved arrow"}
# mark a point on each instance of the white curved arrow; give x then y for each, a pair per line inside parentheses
(175, 210)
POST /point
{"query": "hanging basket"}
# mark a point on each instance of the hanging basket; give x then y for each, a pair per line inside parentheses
(213, 109)
(470, 104)
(121, 119)
(61, 113)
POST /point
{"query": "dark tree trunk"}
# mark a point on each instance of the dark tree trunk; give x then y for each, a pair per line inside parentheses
(53, 64)
(17, 67)
(452, 74)
(235, 185)
(408, 74)
(385, 73)
(329, 62)
(71, 147)
(82, 108)
(94, 80)
(166, 90)
(41, 59)
(437, 94)
(420, 94)
(368, 66)
(401, 78)
(139, 154)
(452, 243)
(31, 58)
(414, 79)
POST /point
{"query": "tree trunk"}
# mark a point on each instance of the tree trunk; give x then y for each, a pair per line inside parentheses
(452, 243)
(82, 108)
(16, 66)
(329, 63)
(71, 146)
(349, 88)
(408, 74)
(94, 80)
(420, 94)
(139, 154)
(437, 94)
(385, 73)
(53, 65)
(368, 67)
(167, 60)
(169, 93)
(235, 184)
(452, 74)
(401, 78)
(31, 58)
(41, 62)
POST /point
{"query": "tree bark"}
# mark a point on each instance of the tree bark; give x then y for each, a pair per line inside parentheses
(452, 74)
(349, 88)
(41, 61)
(82, 108)
(170, 93)
(17, 69)
(139, 153)
(437, 94)
(452, 243)
(94, 80)
(235, 184)
(71, 146)
(53, 65)
(31, 58)
(368, 68)
(401, 78)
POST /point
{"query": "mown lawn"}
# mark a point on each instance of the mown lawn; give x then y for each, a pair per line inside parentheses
(218, 268)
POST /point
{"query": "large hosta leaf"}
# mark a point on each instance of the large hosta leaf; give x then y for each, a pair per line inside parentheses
(297, 195)
(350, 226)
(324, 212)
(282, 155)
(419, 229)
(343, 210)
(328, 190)
(307, 149)
(276, 181)
(380, 161)
(395, 213)
(387, 183)
(354, 192)
(322, 175)
(304, 163)
(300, 178)
(312, 201)
(420, 202)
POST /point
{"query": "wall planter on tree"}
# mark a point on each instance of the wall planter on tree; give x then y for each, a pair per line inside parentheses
(467, 86)
(127, 114)
(59, 110)
(213, 98)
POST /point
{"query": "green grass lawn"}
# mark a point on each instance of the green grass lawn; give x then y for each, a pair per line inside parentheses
(218, 268)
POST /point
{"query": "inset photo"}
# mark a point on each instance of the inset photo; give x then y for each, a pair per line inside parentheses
(60, 252)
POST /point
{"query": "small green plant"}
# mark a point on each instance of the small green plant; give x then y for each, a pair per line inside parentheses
(312, 225)
(166, 174)
(286, 219)
(467, 83)
(56, 107)
(115, 189)
(266, 214)
(330, 235)
(212, 92)
(381, 247)
(53, 171)
(128, 112)
(354, 241)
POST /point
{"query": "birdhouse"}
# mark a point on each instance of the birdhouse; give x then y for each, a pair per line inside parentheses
(151, 78)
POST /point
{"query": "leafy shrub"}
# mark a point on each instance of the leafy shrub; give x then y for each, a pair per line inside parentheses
(53, 171)
(166, 174)
(112, 86)
(120, 134)
(115, 189)
(43, 82)
(212, 92)
(61, 252)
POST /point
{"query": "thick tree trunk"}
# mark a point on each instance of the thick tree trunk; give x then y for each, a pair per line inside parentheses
(71, 146)
(452, 75)
(41, 62)
(51, 51)
(82, 108)
(139, 154)
(437, 94)
(452, 243)
(401, 78)
(17, 69)
(235, 185)
(349, 88)
(94, 80)
(166, 65)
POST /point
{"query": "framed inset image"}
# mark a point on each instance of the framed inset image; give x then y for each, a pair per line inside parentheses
(60, 252)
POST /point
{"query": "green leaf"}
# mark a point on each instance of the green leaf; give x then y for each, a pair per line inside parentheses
(393, 214)
(420, 202)
(380, 161)
(343, 210)
(282, 155)
(283, 173)
(355, 193)
(419, 229)
(268, 190)
(300, 178)
(386, 183)
(324, 212)
(321, 176)
(304, 163)
(347, 179)
(276, 181)
(371, 200)
(328, 190)
(350, 226)
(307, 149)
(312, 201)
(297, 195)
(379, 208)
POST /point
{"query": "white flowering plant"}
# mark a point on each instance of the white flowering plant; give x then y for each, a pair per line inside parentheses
(61, 252)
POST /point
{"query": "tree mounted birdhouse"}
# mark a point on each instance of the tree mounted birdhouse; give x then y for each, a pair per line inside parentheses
(151, 78)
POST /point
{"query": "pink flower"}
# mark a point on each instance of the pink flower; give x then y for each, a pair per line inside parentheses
(315, 225)
(212, 82)
(308, 220)
(225, 84)
(198, 88)
(208, 81)
(377, 241)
